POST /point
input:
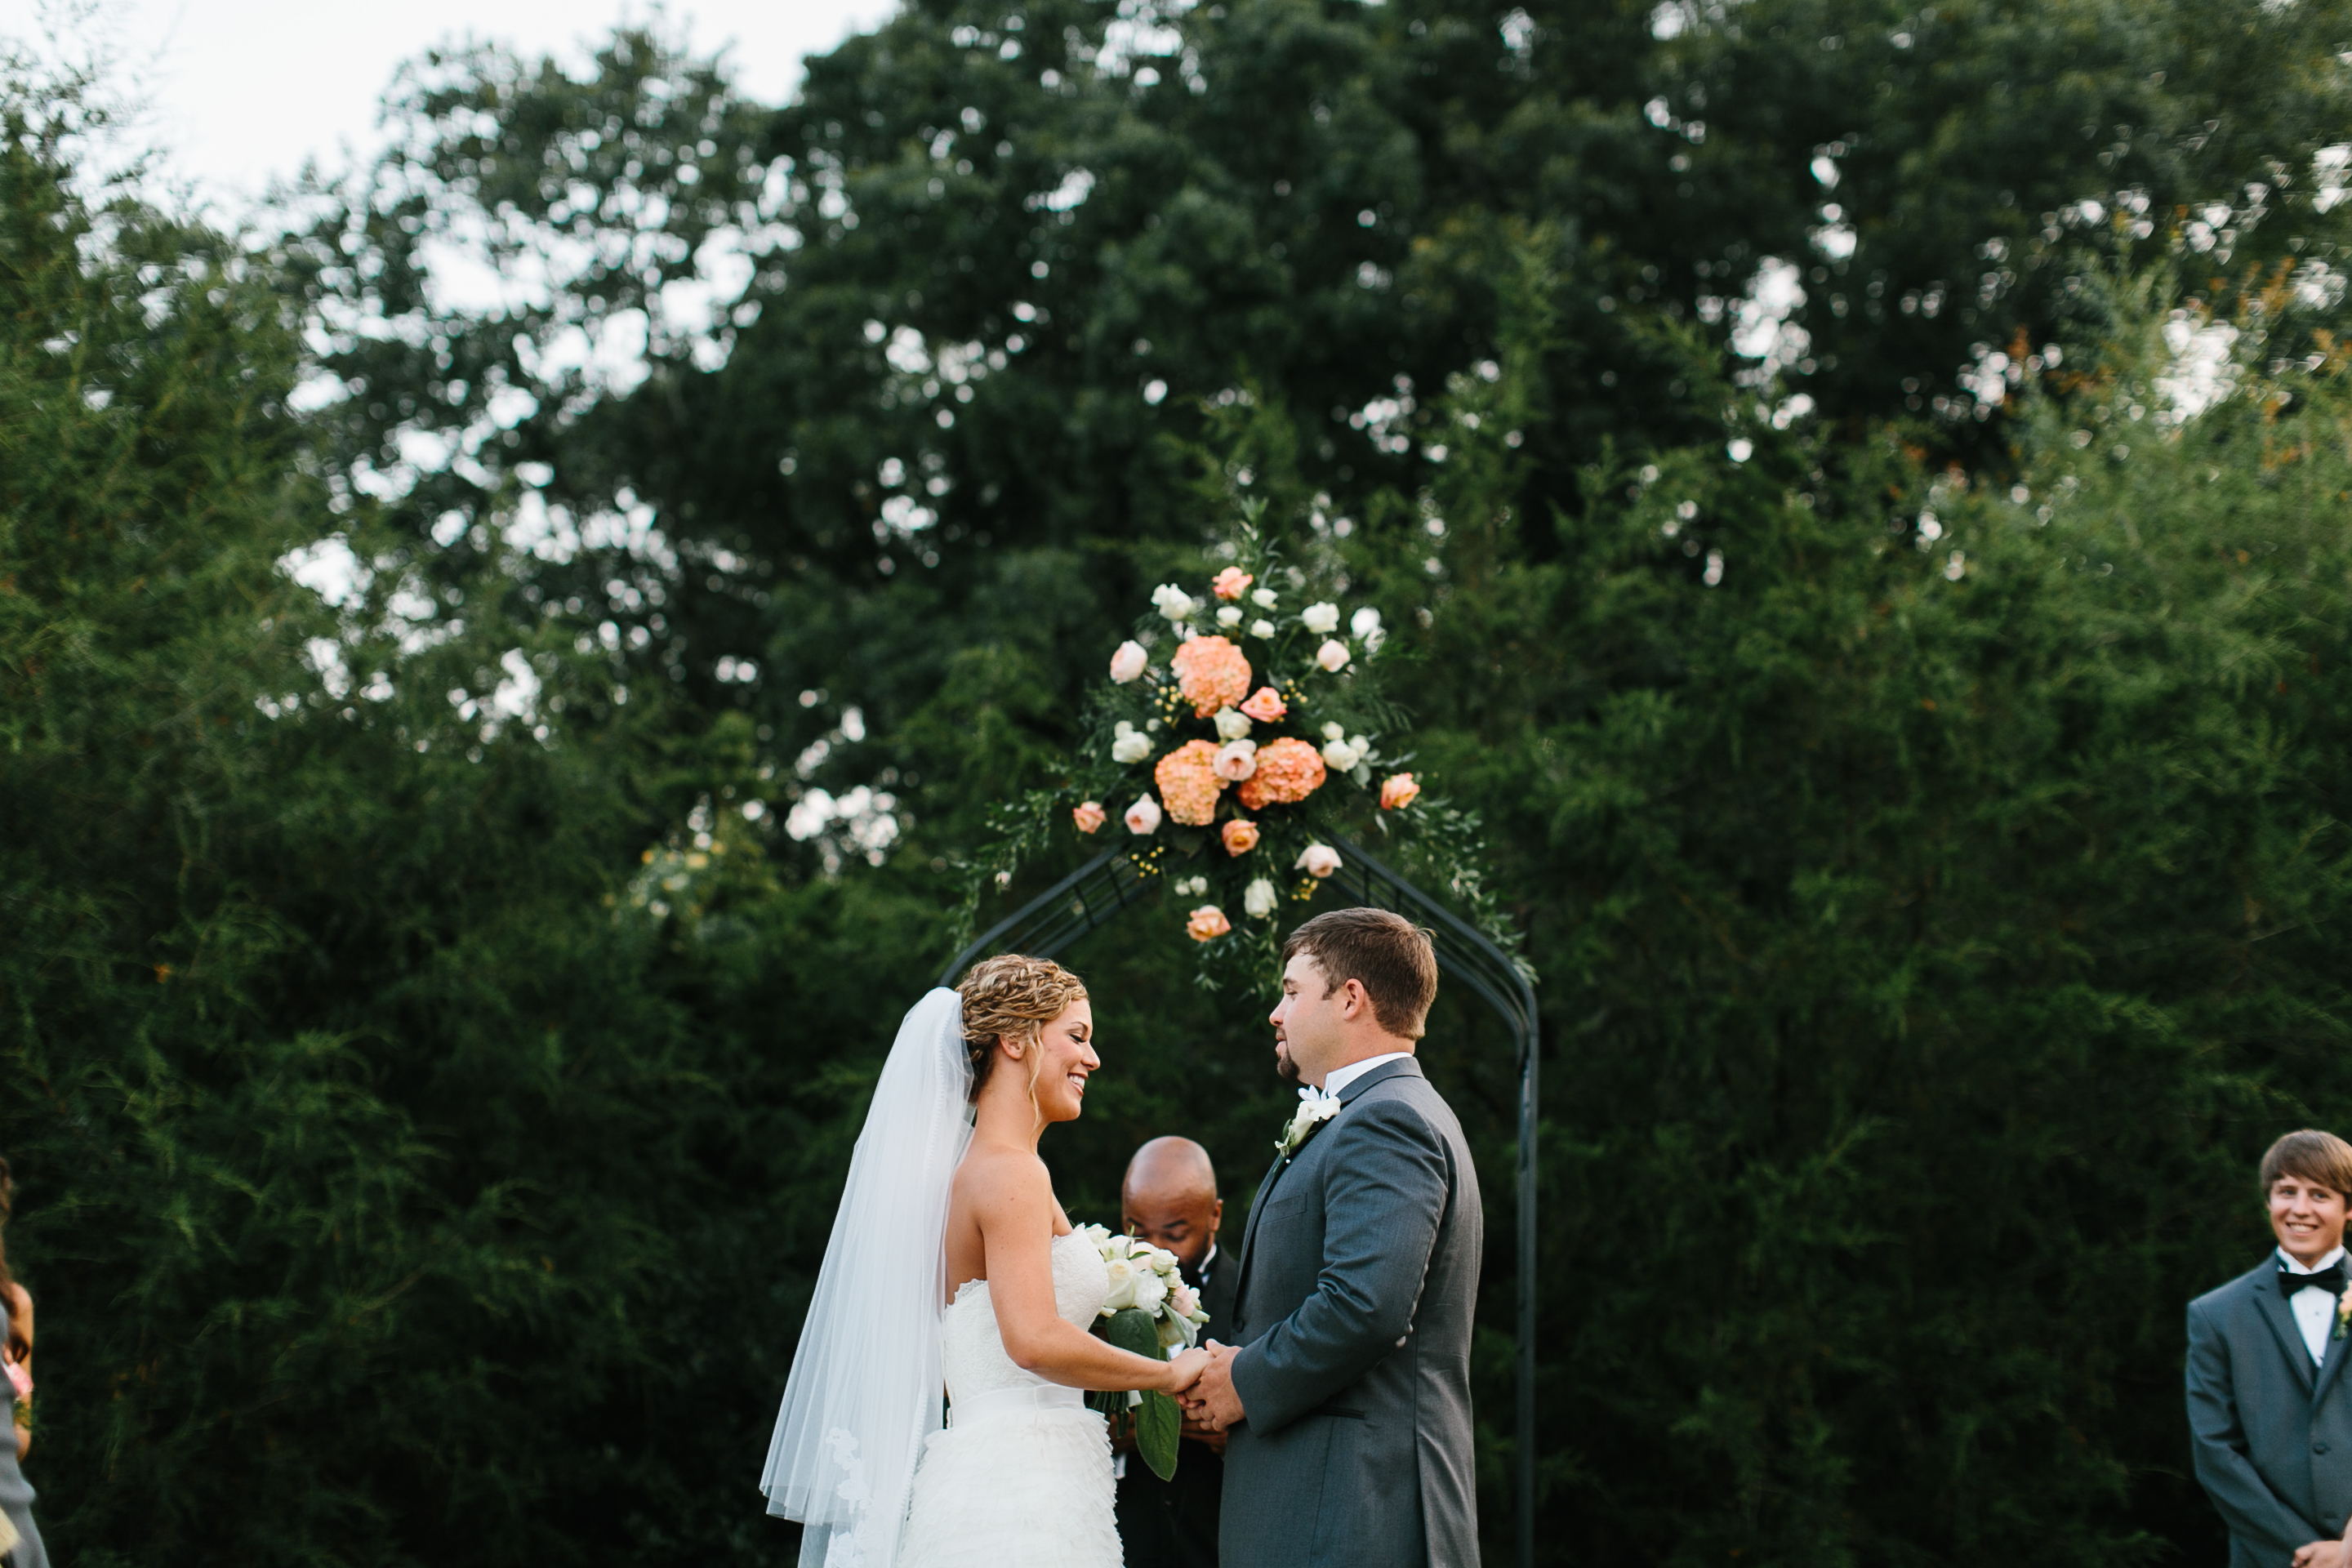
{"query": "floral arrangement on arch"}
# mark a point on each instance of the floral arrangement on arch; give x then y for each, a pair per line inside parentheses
(1241, 732)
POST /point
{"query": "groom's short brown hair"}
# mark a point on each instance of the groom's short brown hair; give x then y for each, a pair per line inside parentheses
(1389, 956)
(2315, 1156)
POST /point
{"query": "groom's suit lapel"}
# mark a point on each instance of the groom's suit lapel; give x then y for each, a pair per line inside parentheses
(2272, 1304)
(1348, 1095)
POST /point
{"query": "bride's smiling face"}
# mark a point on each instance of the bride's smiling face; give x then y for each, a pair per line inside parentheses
(1067, 1058)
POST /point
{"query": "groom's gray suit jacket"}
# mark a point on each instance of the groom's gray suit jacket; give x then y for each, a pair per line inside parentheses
(2273, 1433)
(1359, 1276)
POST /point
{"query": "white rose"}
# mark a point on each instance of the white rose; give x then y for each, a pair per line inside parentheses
(1257, 899)
(1130, 747)
(1360, 745)
(1232, 723)
(1127, 662)
(1142, 818)
(1365, 622)
(1124, 1277)
(1334, 732)
(1147, 1292)
(1236, 760)
(1339, 756)
(1319, 860)
(1320, 619)
(1263, 629)
(1172, 601)
(1333, 656)
(1264, 598)
(1230, 615)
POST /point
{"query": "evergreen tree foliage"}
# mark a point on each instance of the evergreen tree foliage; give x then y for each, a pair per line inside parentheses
(480, 799)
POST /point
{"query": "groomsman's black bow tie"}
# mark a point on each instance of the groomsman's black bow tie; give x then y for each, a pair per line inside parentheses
(2330, 1279)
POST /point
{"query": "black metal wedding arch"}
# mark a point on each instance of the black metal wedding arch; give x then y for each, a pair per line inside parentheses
(1098, 890)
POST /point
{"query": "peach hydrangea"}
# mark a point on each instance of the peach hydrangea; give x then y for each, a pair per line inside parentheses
(1189, 784)
(1232, 583)
(1211, 674)
(1207, 923)
(1267, 706)
(1240, 835)
(1289, 770)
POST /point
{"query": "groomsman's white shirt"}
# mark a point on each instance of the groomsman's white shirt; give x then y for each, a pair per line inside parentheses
(2315, 1310)
(1338, 1078)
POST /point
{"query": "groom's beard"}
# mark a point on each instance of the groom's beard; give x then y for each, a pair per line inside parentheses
(1283, 1063)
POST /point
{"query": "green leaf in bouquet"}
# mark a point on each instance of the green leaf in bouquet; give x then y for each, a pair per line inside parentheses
(1158, 1433)
(1157, 1423)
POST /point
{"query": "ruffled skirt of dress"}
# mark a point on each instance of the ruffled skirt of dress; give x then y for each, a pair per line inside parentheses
(1031, 1490)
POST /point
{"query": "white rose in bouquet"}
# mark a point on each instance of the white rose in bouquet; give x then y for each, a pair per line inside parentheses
(1264, 598)
(1262, 629)
(1366, 623)
(1258, 898)
(1320, 619)
(1177, 605)
(1129, 744)
(1230, 615)
(1339, 756)
(1333, 656)
(1127, 662)
(1148, 1291)
(1232, 723)
(1124, 1278)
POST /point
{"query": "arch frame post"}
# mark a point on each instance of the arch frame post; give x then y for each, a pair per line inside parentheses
(1106, 886)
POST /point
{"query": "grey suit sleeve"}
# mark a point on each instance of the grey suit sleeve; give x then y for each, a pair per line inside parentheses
(1381, 1204)
(2253, 1512)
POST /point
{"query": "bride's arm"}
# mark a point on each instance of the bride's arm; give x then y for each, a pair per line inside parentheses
(1014, 1206)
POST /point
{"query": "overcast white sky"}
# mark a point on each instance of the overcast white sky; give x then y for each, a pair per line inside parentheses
(242, 91)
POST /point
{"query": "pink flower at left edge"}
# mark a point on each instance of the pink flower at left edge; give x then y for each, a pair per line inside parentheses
(1089, 815)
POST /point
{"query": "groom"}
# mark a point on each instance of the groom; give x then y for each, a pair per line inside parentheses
(2269, 1413)
(1347, 1399)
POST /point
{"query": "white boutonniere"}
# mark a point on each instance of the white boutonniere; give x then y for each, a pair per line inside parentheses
(1315, 1107)
(2343, 1314)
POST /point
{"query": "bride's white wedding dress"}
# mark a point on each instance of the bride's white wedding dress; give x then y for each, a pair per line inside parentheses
(1021, 1475)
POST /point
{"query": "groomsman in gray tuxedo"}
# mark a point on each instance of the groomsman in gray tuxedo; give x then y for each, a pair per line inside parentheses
(1169, 1199)
(2268, 1411)
(1344, 1378)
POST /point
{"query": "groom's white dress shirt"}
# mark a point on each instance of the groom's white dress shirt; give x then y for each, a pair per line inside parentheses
(2315, 1310)
(1338, 1078)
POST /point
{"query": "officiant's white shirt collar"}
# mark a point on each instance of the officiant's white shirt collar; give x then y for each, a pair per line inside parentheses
(1338, 1078)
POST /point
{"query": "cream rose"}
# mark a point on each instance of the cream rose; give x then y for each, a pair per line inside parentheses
(1236, 760)
(1333, 656)
(1127, 661)
(1232, 723)
(1320, 619)
(1175, 603)
(1258, 898)
(1319, 860)
(1142, 818)
(1129, 744)
(1229, 615)
(1264, 598)
(1339, 756)
(1263, 630)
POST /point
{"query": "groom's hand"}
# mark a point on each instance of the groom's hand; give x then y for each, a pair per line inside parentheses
(2321, 1554)
(1212, 1402)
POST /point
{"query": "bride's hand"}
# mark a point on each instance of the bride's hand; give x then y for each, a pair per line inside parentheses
(1186, 1370)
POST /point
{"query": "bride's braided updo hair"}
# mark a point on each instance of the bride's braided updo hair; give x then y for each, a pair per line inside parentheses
(1012, 996)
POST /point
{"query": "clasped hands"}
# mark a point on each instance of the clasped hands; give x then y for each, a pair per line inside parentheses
(1204, 1388)
(2324, 1554)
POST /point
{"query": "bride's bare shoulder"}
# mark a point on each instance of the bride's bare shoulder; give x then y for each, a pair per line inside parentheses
(993, 1176)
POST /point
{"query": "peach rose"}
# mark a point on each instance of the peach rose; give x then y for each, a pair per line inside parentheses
(1266, 707)
(1397, 791)
(1241, 836)
(1089, 815)
(1232, 583)
(1142, 818)
(1236, 760)
(1333, 656)
(1288, 771)
(1211, 674)
(1207, 923)
(1189, 784)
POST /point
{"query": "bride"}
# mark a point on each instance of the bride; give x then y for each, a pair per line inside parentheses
(945, 1186)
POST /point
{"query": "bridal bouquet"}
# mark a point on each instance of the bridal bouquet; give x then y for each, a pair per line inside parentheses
(1150, 1311)
(1241, 730)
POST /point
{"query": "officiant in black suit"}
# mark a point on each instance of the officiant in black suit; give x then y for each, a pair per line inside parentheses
(2270, 1415)
(1169, 1199)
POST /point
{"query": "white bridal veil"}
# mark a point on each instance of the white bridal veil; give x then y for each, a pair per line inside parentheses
(866, 1383)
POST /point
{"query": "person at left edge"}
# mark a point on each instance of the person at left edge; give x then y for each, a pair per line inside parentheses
(1169, 1199)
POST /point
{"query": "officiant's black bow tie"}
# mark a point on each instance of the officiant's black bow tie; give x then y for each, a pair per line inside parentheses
(2330, 1279)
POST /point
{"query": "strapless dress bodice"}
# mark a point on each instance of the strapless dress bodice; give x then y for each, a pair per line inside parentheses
(972, 1345)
